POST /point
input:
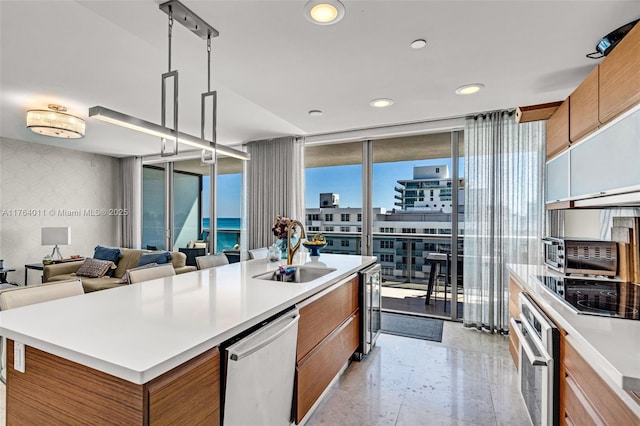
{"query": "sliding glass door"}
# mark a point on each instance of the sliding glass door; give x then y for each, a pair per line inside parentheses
(417, 192)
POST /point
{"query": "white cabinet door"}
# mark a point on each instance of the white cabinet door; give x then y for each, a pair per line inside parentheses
(608, 162)
(557, 182)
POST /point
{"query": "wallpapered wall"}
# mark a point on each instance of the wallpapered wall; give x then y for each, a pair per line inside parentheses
(43, 186)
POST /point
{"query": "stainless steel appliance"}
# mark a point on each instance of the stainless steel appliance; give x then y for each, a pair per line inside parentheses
(370, 314)
(259, 371)
(581, 256)
(539, 361)
(604, 297)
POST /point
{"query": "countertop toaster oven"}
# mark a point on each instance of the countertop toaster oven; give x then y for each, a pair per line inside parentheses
(581, 256)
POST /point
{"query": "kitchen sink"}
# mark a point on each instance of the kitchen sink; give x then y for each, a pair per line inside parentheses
(295, 274)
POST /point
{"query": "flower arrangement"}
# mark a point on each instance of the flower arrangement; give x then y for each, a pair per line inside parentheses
(280, 225)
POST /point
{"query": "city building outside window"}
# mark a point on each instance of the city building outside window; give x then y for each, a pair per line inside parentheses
(344, 217)
(408, 230)
(386, 244)
(386, 258)
(345, 229)
(328, 228)
(330, 243)
(430, 231)
(359, 217)
(311, 217)
(345, 243)
(328, 217)
(386, 230)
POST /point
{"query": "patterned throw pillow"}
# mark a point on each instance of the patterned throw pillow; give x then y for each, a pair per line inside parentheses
(94, 268)
(125, 277)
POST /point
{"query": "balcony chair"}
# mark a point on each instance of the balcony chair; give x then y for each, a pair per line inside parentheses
(146, 274)
(459, 273)
(211, 261)
(23, 296)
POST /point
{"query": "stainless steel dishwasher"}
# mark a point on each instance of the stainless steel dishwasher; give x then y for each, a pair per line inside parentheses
(260, 370)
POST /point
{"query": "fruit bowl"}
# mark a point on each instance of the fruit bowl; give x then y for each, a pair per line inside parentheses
(315, 246)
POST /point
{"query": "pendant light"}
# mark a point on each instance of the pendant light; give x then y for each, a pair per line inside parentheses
(168, 130)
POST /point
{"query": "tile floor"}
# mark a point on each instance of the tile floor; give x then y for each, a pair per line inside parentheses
(468, 379)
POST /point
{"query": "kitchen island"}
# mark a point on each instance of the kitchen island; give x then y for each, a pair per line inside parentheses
(608, 346)
(126, 343)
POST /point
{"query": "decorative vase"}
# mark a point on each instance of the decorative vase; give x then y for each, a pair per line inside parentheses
(282, 243)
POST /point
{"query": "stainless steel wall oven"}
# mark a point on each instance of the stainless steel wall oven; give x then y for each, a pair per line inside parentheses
(539, 362)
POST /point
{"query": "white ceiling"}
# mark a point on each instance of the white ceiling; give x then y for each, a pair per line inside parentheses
(271, 65)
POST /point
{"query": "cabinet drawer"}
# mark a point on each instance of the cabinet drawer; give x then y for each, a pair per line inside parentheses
(322, 316)
(576, 407)
(316, 370)
(591, 389)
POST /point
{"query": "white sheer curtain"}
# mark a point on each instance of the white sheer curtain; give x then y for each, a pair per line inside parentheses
(131, 200)
(274, 186)
(504, 211)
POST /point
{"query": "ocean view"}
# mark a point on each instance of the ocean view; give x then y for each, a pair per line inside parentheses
(228, 231)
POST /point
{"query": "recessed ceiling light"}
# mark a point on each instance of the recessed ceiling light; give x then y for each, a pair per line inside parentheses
(419, 43)
(324, 12)
(315, 113)
(381, 103)
(469, 89)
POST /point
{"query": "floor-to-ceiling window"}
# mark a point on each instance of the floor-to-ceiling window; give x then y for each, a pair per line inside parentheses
(333, 194)
(153, 207)
(192, 213)
(412, 183)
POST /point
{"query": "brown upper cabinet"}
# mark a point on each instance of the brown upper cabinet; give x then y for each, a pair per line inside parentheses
(558, 130)
(583, 117)
(620, 77)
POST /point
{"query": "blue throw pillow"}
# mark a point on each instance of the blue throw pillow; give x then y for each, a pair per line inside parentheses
(159, 258)
(107, 253)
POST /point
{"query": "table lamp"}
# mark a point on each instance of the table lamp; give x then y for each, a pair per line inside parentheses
(54, 237)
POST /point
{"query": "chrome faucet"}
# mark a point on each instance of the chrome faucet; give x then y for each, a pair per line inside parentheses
(291, 251)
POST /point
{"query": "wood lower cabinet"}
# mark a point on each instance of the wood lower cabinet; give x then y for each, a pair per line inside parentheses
(585, 398)
(319, 367)
(619, 79)
(558, 130)
(514, 312)
(328, 334)
(321, 317)
(53, 390)
(583, 115)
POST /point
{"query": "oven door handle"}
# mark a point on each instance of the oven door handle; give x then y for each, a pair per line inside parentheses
(524, 343)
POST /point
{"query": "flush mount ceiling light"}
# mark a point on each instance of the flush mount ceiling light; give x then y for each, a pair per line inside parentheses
(54, 122)
(469, 89)
(419, 43)
(381, 103)
(324, 12)
(315, 113)
(169, 134)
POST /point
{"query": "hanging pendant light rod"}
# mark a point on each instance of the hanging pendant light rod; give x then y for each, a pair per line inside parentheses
(183, 15)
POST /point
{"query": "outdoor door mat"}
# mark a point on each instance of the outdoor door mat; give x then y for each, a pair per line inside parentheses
(412, 326)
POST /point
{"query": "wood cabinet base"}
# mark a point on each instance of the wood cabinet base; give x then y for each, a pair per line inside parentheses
(320, 366)
(53, 390)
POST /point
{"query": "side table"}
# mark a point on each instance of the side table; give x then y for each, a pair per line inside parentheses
(36, 266)
(3, 275)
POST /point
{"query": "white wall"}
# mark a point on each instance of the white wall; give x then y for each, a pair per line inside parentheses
(41, 186)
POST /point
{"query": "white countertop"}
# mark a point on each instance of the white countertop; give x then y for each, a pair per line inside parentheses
(140, 331)
(610, 345)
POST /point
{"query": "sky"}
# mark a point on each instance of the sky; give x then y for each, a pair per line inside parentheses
(343, 180)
